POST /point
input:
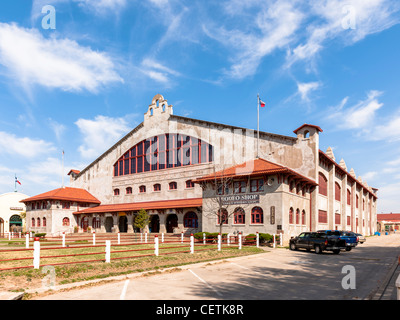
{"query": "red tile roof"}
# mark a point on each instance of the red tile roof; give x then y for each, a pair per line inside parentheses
(308, 125)
(73, 171)
(252, 168)
(395, 217)
(150, 205)
(66, 194)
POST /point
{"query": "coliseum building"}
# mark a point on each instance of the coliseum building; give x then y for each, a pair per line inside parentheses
(193, 175)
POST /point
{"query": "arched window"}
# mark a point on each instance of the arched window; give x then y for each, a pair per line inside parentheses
(190, 220)
(116, 192)
(297, 216)
(142, 189)
(65, 222)
(239, 216)
(128, 190)
(322, 184)
(163, 151)
(303, 217)
(222, 216)
(292, 187)
(96, 223)
(38, 222)
(357, 198)
(157, 187)
(173, 185)
(189, 184)
(44, 222)
(257, 215)
(33, 222)
(348, 197)
(337, 192)
(291, 214)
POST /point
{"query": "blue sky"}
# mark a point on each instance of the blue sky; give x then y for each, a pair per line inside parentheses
(83, 85)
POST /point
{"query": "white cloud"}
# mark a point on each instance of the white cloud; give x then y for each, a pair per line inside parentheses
(157, 71)
(103, 6)
(58, 128)
(53, 63)
(305, 88)
(27, 147)
(100, 133)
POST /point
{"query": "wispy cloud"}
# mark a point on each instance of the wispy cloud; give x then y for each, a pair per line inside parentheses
(305, 88)
(157, 71)
(32, 59)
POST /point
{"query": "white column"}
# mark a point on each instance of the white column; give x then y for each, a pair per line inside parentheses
(145, 237)
(141, 237)
(27, 240)
(156, 245)
(119, 238)
(191, 243)
(94, 238)
(63, 239)
(281, 239)
(240, 241)
(181, 237)
(204, 238)
(274, 241)
(36, 254)
(227, 238)
(162, 237)
(219, 242)
(108, 251)
(257, 240)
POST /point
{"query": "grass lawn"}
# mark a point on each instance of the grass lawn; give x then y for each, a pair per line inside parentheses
(121, 262)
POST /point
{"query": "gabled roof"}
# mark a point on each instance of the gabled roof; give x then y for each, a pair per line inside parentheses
(395, 217)
(253, 168)
(149, 205)
(73, 171)
(308, 125)
(65, 194)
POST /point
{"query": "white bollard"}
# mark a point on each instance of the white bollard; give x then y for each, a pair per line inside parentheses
(240, 241)
(36, 254)
(141, 237)
(219, 242)
(9, 235)
(156, 245)
(162, 237)
(281, 239)
(274, 241)
(145, 237)
(19, 235)
(94, 238)
(191, 243)
(204, 238)
(108, 251)
(227, 239)
(27, 240)
(119, 238)
(181, 237)
(257, 240)
(63, 240)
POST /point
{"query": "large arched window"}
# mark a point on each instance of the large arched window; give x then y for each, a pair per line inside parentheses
(239, 216)
(190, 220)
(65, 222)
(322, 184)
(337, 192)
(257, 215)
(163, 151)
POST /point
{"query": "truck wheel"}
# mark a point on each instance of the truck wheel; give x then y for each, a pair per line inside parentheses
(348, 248)
(293, 246)
(337, 251)
(318, 249)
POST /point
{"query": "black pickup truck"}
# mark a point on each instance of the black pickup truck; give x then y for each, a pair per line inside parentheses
(317, 241)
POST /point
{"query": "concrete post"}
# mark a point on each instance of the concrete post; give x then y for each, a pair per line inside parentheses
(119, 238)
(274, 241)
(94, 238)
(257, 240)
(181, 237)
(145, 237)
(281, 239)
(204, 238)
(63, 239)
(156, 245)
(27, 240)
(191, 243)
(227, 239)
(219, 242)
(240, 241)
(162, 237)
(36, 254)
(108, 251)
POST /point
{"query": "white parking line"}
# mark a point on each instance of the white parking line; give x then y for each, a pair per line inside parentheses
(206, 283)
(123, 293)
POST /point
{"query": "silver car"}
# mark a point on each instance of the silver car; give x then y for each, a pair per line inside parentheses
(361, 238)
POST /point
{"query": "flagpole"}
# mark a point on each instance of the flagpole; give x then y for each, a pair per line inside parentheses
(258, 124)
(15, 183)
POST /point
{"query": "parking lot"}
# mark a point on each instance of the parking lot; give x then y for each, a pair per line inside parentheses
(276, 274)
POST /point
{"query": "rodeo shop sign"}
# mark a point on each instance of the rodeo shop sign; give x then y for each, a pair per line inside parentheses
(241, 199)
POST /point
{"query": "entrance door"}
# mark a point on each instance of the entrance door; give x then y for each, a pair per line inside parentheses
(123, 224)
(108, 224)
(15, 223)
(154, 224)
(85, 224)
(172, 222)
(1, 227)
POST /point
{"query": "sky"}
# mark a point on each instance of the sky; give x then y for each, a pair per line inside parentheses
(77, 75)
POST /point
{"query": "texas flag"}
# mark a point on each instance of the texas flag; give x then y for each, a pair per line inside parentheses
(17, 181)
(262, 103)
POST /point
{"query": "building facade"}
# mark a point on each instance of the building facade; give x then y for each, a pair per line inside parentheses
(288, 184)
(12, 212)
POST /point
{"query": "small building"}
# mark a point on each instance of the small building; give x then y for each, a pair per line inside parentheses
(388, 222)
(12, 212)
(52, 212)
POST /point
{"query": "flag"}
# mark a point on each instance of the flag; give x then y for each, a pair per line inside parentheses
(262, 103)
(17, 181)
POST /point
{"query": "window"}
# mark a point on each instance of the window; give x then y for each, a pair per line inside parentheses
(222, 216)
(142, 189)
(348, 197)
(44, 222)
(303, 217)
(38, 222)
(337, 218)
(65, 222)
(322, 184)
(348, 220)
(66, 205)
(116, 192)
(221, 190)
(257, 185)
(257, 216)
(163, 151)
(297, 216)
(96, 223)
(129, 190)
(322, 216)
(357, 201)
(337, 192)
(33, 222)
(190, 220)
(239, 216)
(292, 187)
(173, 185)
(239, 187)
(291, 216)
(157, 187)
(33, 206)
(189, 184)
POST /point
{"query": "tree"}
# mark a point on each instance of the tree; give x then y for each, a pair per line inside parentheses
(142, 220)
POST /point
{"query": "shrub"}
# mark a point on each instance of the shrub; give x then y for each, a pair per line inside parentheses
(40, 235)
